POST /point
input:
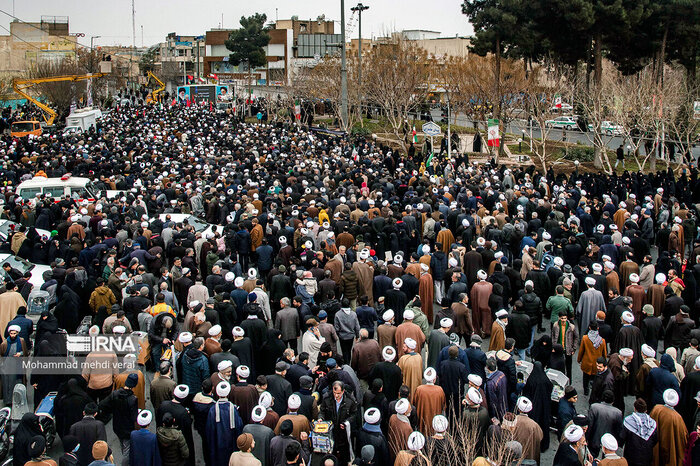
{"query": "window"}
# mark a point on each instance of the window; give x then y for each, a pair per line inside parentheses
(29, 193)
(54, 191)
(302, 28)
(180, 52)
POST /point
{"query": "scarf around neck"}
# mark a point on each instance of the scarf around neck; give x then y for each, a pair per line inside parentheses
(641, 424)
(595, 338)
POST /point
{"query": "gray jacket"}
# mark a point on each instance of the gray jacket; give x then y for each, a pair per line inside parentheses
(346, 324)
(287, 322)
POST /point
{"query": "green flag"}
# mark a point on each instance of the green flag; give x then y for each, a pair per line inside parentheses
(430, 159)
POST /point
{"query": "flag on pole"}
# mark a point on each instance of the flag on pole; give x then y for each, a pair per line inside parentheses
(557, 100)
(213, 76)
(494, 138)
(415, 136)
(190, 78)
(201, 79)
(297, 110)
(430, 160)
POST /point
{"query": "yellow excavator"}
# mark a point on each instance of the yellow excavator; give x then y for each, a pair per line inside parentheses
(156, 94)
(22, 86)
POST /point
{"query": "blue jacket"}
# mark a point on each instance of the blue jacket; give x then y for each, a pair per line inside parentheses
(367, 316)
(567, 412)
(660, 379)
(144, 448)
(195, 368)
(438, 265)
(26, 326)
(265, 257)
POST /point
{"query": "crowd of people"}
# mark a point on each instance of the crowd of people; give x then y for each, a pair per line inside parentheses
(419, 315)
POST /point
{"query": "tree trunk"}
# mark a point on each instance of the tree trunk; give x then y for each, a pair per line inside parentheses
(598, 57)
(497, 102)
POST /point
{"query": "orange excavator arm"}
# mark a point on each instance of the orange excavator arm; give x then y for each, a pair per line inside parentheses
(156, 94)
(22, 86)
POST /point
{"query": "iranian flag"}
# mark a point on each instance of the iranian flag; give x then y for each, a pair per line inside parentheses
(190, 78)
(557, 100)
(213, 76)
(494, 138)
(297, 110)
(415, 136)
(201, 79)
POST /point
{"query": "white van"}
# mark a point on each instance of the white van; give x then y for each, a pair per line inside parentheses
(74, 186)
(83, 118)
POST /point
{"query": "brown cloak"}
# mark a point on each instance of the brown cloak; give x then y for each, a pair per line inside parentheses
(498, 337)
(636, 292)
(408, 330)
(673, 436)
(481, 312)
(399, 431)
(656, 298)
(411, 366)
(365, 278)
(529, 434)
(429, 401)
(426, 292)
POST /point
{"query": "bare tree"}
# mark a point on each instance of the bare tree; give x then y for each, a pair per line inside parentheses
(679, 122)
(538, 100)
(628, 100)
(397, 77)
(322, 82)
(60, 95)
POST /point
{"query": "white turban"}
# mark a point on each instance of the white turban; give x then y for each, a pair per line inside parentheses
(265, 399)
(440, 423)
(671, 397)
(446, 322)
(372, 416)
(475, 379)
(223, 365)
(258, 413)
(408, 314)
(294, 402)
(411, 343)
(429, 375)
(524, 404)
(388, 315)
(416, 441)
(223, 389)
(573, 433)
(402, 406)
(634, 278)
(181, 391)
(389, 353)
(474, 396)
(481, 275)
(648, 351)
(626, 352)
(243, 371)
(608, 442)
(145, 417)
(628, 317)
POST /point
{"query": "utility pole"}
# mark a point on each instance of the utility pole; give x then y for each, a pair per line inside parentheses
(343, 69)
(359, 9)
(92, 41)
(133, 36)
(142, 35)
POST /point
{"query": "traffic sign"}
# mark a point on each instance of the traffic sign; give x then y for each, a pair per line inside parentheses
(431, 129)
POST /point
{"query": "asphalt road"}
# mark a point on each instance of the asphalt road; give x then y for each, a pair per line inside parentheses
(519, 125)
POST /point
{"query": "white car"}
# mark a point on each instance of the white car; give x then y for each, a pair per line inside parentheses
(609, 128)
(564, 108)
(562, 122)
(69, 130)
(37, 271)
(198, 224)
(6, 226)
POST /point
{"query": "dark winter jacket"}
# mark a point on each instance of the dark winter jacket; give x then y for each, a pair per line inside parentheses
(660, 379)
(123, 406)
(195, 368)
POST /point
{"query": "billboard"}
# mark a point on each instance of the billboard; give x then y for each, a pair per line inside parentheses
(201, 94)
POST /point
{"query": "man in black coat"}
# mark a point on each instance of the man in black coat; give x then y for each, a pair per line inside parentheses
(88, 431)
(519, 329)
(182, 417)
(389, 373)
(604, 380)
(279, 388)
(371, 434)
(506, 364)
(298, 370)
(338, 406)
(122, 405)
(453, 378)
(476, 357)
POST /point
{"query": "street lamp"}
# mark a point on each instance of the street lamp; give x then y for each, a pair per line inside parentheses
(359, 9)
(92, 39)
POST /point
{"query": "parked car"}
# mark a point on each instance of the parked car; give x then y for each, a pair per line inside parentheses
(198, 224)
(564, 108)
(562, 122)
(7, 225)
(24, 266)
(609, 128)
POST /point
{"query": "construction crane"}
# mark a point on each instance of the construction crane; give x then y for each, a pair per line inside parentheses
(22, 86)
(156, 94)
